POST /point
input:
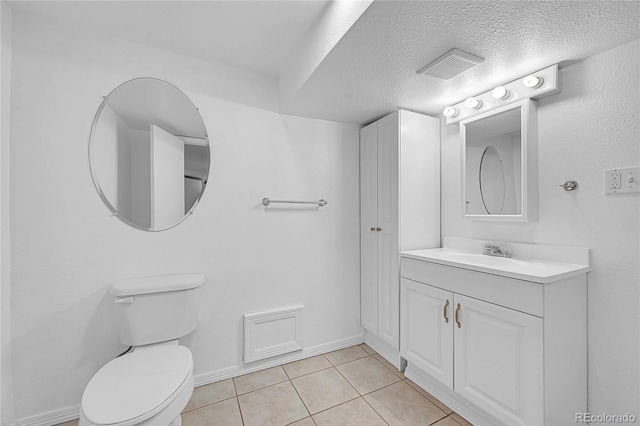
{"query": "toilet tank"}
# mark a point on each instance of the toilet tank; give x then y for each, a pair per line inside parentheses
(156, 309)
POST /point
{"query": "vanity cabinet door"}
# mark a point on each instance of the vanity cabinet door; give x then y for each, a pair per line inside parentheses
(426, 332)
(499, 360)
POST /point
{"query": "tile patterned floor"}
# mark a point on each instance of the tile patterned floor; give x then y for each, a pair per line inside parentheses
(352, 386)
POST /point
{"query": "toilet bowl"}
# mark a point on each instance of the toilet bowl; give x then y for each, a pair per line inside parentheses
(151, 384)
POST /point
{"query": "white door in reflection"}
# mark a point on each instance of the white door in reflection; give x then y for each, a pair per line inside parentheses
(167, 179)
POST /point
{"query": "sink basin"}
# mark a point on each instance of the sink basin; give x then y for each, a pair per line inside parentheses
(529, 269)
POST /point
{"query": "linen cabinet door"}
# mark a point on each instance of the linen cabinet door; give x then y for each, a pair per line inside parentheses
(499, 360)
(368, 226)
(388, 234)
(426, 333)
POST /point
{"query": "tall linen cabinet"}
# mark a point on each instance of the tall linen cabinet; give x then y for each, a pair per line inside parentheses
(399, 210)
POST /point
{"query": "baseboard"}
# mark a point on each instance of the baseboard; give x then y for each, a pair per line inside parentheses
(52, 417)
(62, 415)
(468, 411)
(239, 370)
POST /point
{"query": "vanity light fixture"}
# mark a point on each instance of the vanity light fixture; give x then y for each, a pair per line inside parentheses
(450, 112)
(500, 92)
(534, 86)
(474, 103)
(532, 81)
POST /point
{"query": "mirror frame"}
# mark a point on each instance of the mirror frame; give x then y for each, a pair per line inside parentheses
(528, 162)
(104, 198)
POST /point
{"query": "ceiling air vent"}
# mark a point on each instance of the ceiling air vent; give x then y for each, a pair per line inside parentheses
(451, 64)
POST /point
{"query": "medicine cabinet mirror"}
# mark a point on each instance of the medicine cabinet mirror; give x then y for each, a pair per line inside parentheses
(499, 164)
(149, 154)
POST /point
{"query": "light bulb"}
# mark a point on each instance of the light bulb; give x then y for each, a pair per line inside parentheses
(500, 92)
(532, 81)
(450, 112)
(474, 103)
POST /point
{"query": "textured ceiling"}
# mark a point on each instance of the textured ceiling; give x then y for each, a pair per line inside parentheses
(332, 68)
(372, 70)
(257, 35)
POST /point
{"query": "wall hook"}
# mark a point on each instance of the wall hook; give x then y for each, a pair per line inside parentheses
(569, 185)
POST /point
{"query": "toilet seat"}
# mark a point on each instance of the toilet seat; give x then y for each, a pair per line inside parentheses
(137, 386)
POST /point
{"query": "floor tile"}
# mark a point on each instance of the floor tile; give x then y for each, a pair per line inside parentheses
(324, 389)
(345, 355)
(209, 394)
(447, 421)
(259, 379)
(430, 397)
(367, 349)
(352, 413)
(458, 418)
(225, 413)
(275, 405)
(389, 366)
(306, 366)
(400, 404)
(367, 375)
(307, 421)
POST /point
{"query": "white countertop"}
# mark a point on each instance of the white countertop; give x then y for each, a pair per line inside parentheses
(529, 262)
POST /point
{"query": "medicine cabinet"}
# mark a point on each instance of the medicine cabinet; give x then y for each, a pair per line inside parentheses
(500, 164)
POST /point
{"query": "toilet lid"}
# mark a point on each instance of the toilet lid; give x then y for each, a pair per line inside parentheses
(136, 384)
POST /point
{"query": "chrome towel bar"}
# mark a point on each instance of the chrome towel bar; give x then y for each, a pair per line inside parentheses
(267, 201)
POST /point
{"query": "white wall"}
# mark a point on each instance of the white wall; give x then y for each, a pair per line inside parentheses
(6, 384)
(314, 48)
(591, 126)
(66, 247)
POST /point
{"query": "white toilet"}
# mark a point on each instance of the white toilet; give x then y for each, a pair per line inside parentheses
(151, 384)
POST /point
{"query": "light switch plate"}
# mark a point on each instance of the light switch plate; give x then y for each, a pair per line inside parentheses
(617, 181)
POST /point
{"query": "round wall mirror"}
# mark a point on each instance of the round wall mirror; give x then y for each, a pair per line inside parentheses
(149, 154)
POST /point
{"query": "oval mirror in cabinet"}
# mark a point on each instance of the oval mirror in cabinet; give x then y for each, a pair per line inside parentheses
(149, 154)
(492, 184)
(499, 164)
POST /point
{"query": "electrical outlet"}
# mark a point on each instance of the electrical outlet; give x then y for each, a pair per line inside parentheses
(622, 180)
(614, 180)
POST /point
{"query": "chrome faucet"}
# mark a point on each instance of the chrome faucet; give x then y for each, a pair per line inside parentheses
(496, 250)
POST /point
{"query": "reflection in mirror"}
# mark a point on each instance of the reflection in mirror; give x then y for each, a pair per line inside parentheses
(492, 181)
(149, 154)
(493, 175)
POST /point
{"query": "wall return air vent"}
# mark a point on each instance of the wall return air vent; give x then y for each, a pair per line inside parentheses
(450, 64)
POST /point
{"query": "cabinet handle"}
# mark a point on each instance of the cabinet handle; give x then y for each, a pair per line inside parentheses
(378, 229)
(444, 311)
(457, 318)
(373, 228)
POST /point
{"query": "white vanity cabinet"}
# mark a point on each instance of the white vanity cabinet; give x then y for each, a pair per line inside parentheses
(400, 210)
(497, 357)
(496, 349)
